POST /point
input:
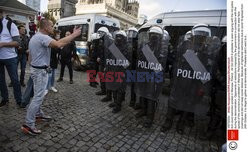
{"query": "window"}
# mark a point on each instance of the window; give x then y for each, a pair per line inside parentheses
(111, 29)
(82, 37)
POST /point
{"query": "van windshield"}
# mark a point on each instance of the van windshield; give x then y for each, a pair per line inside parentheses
(82, 37)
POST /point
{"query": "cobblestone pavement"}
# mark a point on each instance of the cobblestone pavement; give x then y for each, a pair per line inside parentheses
(83, 123)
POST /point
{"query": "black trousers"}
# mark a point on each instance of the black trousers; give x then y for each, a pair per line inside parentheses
(69, 65)
(101, 69)
(118, 97)
(22, 59)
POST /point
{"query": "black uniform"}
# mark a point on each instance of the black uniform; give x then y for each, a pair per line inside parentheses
(101, 64)
(93, 59)
(67, 53)
(22, 56)
(116, 62)
(192, 80)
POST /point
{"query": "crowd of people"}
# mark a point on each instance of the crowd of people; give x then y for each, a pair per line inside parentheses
(197, 63)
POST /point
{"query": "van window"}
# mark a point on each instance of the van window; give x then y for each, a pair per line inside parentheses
(111, 29)
(177, 31)
(82, 37)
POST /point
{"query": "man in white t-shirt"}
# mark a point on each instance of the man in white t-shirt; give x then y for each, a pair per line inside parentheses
(9, 40)
(40, 49)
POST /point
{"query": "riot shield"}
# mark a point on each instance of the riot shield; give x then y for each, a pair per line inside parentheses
(193, 72)
(116, 63)
(151, 61)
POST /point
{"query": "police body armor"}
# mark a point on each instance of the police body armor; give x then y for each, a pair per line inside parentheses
(193, 73)
(150, 66)
(116, 63)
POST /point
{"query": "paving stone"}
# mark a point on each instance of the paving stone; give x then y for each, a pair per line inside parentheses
(41, 149)
(52, 149)
(82, 123)
(80, 143)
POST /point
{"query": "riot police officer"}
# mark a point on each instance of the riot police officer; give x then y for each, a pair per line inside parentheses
(103, 31)
(94, 47)
(218, 105)
(132, 43)
(193, 71)
(116, 56)
(152, 57)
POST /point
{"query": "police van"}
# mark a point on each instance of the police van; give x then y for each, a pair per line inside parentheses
(179, 22)
(90, 23)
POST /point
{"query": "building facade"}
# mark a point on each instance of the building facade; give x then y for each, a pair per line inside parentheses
(126, 11)
(62, 8)
(18, 12)
(34, 4)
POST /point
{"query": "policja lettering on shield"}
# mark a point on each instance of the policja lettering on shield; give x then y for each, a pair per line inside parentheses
(117, 62)
(150, 65)
(200, 72)
(120, 58)
(193, 74)
(153, 63)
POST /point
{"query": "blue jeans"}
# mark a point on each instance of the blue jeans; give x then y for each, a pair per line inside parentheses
(28, 93)
(51, 80)
(11, 66)
(40, 80)
(22, 58)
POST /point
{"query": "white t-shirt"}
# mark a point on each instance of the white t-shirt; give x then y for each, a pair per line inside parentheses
(8, 52)
(39, 49)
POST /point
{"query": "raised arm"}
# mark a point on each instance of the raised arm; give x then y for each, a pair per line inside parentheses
(64, 41)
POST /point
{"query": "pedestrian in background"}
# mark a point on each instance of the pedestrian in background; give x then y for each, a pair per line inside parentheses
(67, 54)
(53, 64)
(22, 51)
(9, 40)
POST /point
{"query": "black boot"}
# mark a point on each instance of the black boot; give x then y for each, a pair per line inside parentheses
(106, 99)
(118, 98)
(132, 103)
(143, 111)
(181, 123)
(151, 105)
(22, 83)
(169, 120)
(100, 93)
(111, 105)
(137, 106)
(167, 125)
(60, 79)
(4, 102)
(93, 84)
(116, 109)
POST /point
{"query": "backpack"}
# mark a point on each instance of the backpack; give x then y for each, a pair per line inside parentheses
(8, 25)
